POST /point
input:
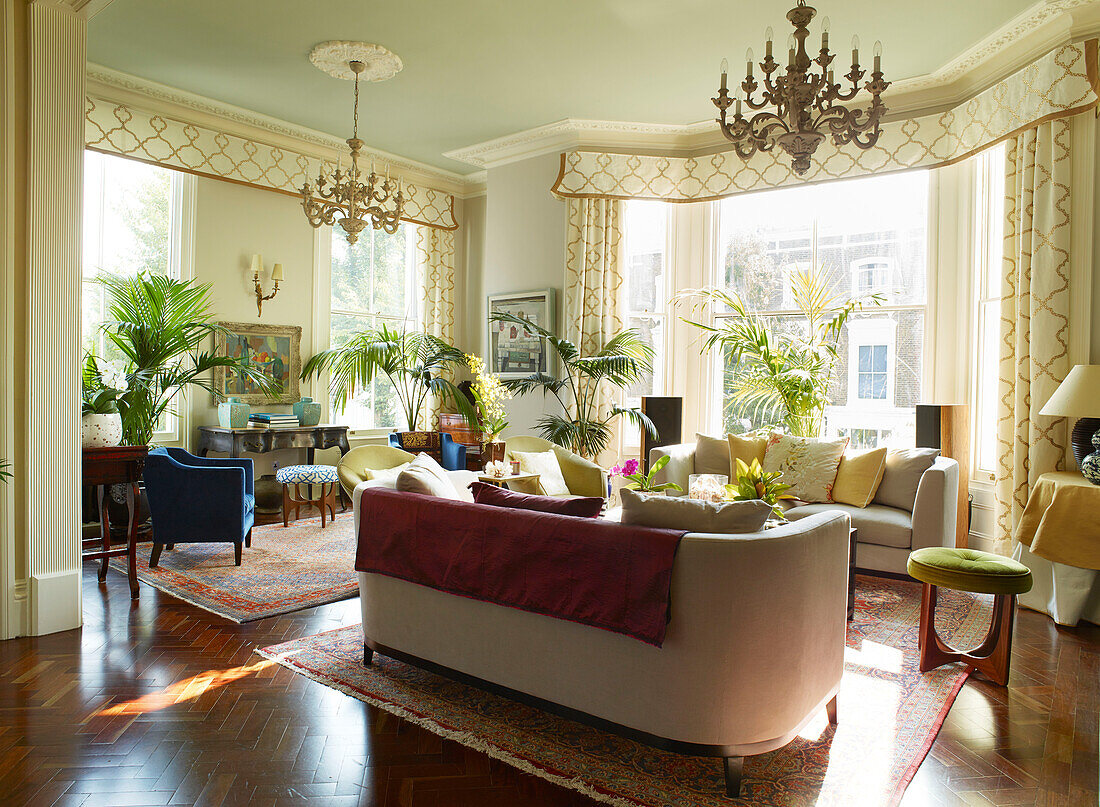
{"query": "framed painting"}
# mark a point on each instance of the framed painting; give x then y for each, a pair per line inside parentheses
(514, 351)
(274, 349)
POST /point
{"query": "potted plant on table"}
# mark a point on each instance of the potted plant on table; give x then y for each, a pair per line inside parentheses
(488, 415)
(753, 482)
(415, 363)
(585, 425)
(101, 385)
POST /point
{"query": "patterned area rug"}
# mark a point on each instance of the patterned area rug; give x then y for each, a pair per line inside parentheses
(889, 716)
(286, 569)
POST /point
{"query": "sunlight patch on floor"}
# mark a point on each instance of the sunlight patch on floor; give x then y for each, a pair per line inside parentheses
(186, 690)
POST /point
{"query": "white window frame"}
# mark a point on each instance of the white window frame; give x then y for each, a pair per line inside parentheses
(861, 264)
(181, 266)
(872, 332)
(323, 311)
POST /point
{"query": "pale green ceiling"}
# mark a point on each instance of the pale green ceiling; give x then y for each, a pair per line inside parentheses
(480, 69)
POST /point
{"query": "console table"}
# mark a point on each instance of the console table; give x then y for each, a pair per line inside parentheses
(101, 468)
(257, 440)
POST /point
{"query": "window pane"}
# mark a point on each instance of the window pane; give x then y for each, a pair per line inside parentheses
(652, 333)
(391, 287)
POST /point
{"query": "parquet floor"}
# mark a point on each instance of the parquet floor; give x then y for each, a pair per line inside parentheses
(162, 703)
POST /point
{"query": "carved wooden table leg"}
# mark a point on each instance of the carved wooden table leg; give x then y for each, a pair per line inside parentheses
(103, 492)
(991, 657)
(132, 503)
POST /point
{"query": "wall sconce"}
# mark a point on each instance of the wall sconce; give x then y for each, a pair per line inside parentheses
(276, 275)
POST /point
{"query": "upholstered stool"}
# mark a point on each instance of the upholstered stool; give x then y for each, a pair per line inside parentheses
(297, 475)
(979, 573)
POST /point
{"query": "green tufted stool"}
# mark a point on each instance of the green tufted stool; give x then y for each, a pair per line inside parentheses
(980, 573)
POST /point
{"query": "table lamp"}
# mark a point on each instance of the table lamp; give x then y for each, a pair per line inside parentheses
(1079, 396)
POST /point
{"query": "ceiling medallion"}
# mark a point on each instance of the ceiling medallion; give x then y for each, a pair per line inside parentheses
(806, 108)
(343, 197)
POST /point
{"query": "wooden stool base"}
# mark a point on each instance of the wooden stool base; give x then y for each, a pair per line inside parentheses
(991, 657)
(326, 500)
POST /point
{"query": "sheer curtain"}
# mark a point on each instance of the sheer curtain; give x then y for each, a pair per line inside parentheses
(435, 258)
(1035, 316)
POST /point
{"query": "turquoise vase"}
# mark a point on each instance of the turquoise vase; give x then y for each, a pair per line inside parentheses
(308, 412)
(233, 414)
(1090, 465)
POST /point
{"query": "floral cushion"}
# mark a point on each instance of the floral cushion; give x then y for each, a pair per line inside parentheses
(808, 465)
(313, 474)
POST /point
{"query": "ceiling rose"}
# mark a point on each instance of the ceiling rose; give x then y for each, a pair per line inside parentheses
(334, 56)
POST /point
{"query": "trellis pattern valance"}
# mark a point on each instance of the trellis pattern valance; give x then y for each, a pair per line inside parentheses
(1062, 83)
(119, 129)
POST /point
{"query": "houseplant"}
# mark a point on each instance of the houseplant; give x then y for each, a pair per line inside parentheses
(101, 385)
(416, 363)
(643, 482)
(585, 426)
(488, 396)
(782, 376)
(158, 325)
(753, 482)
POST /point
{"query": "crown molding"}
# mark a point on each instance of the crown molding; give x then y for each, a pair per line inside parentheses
(124, 88)
(1032, 33)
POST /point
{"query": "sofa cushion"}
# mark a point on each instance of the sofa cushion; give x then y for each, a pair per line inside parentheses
(745, 448)
(426, 476)
(546, 465)
(858, 477)
(387, 476)
(808, 465)
(904, 468)
(579, 506)
(885, 526)
(693, 515)
(712, 455)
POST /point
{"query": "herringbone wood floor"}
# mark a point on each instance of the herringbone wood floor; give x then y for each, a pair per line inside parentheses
(161, 703)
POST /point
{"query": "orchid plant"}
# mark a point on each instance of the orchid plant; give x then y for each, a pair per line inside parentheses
(643, 482)
(489, 397)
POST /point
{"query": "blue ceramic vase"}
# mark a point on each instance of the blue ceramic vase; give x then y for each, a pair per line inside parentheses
(233, 414)
(308, 412)
(1090, 465)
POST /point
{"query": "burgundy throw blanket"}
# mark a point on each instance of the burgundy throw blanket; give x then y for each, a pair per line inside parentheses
(596, 572)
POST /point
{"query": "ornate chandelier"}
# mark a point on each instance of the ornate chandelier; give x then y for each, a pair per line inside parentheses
(344, 197)
(806, 103)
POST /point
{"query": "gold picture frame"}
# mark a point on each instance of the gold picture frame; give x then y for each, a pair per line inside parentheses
(276, 349)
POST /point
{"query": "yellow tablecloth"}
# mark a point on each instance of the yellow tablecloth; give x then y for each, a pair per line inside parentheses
(1062, 520)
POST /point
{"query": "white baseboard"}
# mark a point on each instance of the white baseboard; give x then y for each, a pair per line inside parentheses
(54, 602)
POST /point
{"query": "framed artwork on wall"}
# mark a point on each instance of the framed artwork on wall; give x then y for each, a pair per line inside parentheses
(275, 349)
(513, 351)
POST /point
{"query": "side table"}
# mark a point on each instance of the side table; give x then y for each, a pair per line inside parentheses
(101, 468)
(505, 481)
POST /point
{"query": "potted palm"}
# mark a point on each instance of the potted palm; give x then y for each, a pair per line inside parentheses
(158, 326)
(585, 425)
(781, 377)
(416, 363)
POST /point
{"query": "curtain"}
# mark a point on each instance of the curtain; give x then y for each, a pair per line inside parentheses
(1035, 307)
(594, 279)
(435, 258)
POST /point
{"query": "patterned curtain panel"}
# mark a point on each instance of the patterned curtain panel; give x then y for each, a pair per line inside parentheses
(116, 128)
(1062, 83)
(1035, 310)
(435, 258)
(594, 277)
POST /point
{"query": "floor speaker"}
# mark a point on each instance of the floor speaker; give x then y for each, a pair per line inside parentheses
(947, 427)
(667, 415)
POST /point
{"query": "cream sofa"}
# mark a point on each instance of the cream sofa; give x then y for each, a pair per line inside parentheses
(753, 651)
(885, 535)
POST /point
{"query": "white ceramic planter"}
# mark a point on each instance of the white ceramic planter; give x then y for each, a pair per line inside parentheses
(101, 431)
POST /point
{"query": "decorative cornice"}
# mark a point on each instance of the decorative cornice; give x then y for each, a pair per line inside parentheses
(1035, 31)
(114, 85)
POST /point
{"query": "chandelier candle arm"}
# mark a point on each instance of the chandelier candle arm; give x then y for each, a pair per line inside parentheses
(805, 105)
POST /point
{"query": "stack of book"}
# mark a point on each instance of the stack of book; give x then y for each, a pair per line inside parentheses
(272, 419)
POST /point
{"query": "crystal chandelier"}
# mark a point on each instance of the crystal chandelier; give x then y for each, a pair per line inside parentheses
(806, 103)
(344, 198)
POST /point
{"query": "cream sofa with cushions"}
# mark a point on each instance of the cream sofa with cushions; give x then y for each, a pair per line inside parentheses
(753, 651)
(886, 535)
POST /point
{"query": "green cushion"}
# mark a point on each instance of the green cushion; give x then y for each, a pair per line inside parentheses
(969, 570)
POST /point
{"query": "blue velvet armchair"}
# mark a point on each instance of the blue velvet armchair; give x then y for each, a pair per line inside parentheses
(198, 500)
(440, 445)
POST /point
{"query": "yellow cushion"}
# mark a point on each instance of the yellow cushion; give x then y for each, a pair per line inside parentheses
(746, 449)
(858, 476)
(545, 464)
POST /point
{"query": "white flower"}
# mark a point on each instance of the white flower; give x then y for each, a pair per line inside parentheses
(113, 376)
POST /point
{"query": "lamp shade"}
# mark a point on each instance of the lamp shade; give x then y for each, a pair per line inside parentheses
(277, 272)
(1078, 395)
(257, 264)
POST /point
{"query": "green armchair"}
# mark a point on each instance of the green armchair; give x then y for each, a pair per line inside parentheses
(582, 477)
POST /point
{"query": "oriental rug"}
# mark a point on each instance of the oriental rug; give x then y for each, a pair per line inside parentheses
(889, 715)
(286, 569)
